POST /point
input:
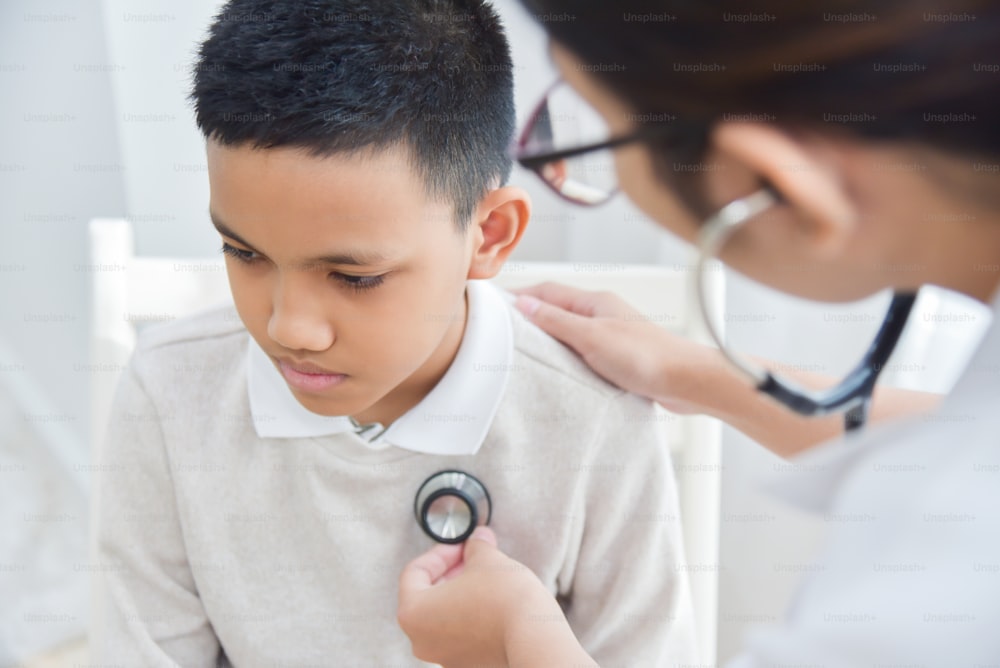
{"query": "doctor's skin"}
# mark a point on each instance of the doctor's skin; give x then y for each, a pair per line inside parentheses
(348, 274)
(850, 221)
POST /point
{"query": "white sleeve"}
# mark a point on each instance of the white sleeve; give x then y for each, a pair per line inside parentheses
(147, 611)
(630, 604)
(910, 574)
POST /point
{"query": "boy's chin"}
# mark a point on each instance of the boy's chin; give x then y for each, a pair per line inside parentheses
(331, 407)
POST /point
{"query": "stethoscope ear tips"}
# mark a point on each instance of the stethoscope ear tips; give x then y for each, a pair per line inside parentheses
(450, 505)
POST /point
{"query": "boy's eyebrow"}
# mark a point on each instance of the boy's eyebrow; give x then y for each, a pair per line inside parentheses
(222, 229)
(357, 258)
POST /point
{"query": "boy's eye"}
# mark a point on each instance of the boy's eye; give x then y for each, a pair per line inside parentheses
(240, 254)
(359, 283)
(356, 283)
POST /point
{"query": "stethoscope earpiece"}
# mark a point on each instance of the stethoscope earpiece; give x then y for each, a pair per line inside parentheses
(853, 394)
(450, 505)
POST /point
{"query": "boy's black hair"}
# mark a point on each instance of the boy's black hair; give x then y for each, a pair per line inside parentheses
(340, 76)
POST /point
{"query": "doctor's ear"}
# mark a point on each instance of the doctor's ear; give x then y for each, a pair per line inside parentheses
(807, 173)
(496, 228)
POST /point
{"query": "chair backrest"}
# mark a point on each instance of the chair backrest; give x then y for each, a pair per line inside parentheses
(131, 291)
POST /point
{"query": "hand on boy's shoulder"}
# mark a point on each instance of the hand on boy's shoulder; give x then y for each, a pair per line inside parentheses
(564, 390)
(541, 348)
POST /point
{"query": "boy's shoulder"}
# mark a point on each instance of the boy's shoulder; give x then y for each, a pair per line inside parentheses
(555, 395)
(215, 337)
(538, 352)
(202, 327)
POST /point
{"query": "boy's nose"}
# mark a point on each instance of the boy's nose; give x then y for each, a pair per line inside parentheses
(298, 321)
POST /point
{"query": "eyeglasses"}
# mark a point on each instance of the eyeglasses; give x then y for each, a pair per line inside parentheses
(565, 142)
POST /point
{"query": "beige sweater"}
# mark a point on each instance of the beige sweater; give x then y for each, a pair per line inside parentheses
(218, 547)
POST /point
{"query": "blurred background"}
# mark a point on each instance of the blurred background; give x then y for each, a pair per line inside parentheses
(95, 123)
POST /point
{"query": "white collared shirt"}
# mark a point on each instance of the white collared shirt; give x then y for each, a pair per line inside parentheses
(452, 419)
(911, 572)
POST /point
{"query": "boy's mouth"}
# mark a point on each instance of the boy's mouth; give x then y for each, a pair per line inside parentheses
(309, 377)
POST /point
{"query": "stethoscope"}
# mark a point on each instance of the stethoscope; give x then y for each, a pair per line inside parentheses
(450, 505)
(853, 394)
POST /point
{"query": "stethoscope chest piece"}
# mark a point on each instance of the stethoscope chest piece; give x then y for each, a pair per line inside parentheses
(450, 505)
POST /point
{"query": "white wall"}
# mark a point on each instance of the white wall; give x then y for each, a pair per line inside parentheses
(59, 166)
(165, 175)
(95, 122)
(152, 45)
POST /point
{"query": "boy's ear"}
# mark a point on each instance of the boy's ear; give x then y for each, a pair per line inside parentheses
(497, 226)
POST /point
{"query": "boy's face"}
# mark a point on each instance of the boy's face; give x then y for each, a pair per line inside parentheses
(344, 272)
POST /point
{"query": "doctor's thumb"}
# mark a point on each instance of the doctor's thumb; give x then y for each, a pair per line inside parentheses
(484, 534)
(481, 544)
(557, 322)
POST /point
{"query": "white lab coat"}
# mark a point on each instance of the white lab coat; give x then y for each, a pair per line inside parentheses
(910, 573)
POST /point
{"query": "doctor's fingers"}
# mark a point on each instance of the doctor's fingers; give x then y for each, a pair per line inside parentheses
(481, 534)
(464, 620)
(440, 563)
(460, 621)
(596, 339)
(587, 303)
(573, 330)
(427, 569)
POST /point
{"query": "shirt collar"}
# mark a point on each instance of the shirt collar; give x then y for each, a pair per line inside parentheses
(452, 419)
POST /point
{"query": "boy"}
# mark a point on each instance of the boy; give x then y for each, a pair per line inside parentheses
(356, 158)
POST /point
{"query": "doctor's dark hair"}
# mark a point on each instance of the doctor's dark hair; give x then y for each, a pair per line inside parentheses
(920, 71)
(346, 76)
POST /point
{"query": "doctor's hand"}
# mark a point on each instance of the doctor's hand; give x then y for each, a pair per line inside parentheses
(683, 376)
(621, 344)
(471, 604)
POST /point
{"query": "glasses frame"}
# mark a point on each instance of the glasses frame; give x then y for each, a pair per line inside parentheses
(536, 161)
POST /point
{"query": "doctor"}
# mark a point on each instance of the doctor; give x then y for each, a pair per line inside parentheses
(861, 147)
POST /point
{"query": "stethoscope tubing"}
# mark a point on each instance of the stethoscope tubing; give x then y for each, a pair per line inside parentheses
(853, 394)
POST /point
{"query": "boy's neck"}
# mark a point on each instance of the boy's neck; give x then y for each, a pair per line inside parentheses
(412, 391)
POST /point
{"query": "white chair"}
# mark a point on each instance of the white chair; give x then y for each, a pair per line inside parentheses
(130, 292)
(134, 291)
